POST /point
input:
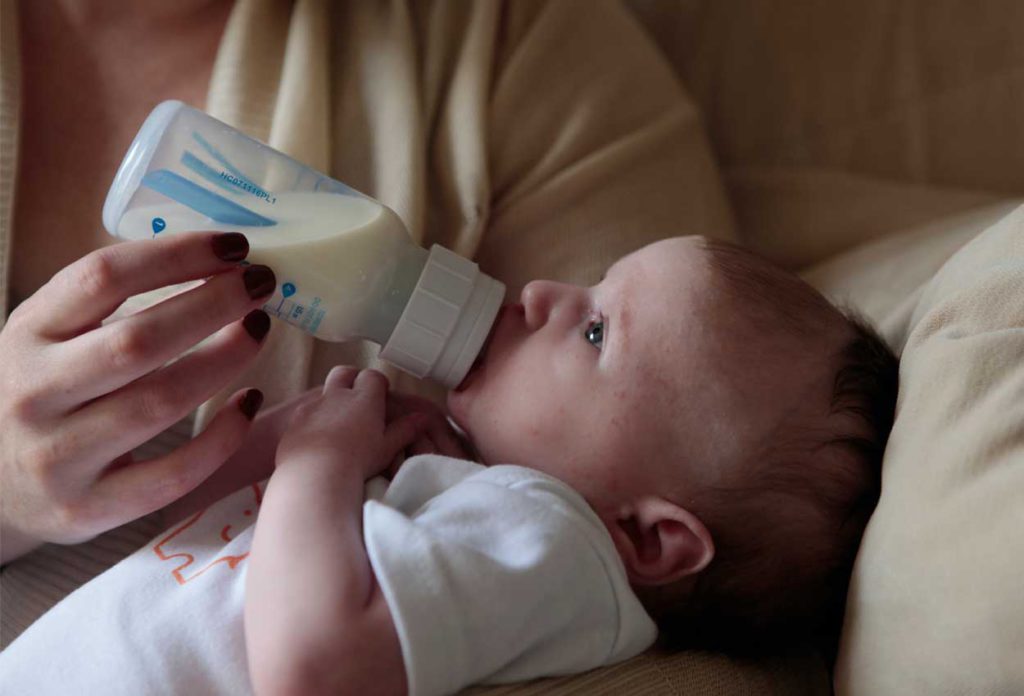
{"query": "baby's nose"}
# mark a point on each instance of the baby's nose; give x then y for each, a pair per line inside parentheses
(537, 298)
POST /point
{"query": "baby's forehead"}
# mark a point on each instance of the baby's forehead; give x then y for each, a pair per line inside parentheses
(699, 312)
(672, 270)
(673, 285)
(724, 340)
(674, 252)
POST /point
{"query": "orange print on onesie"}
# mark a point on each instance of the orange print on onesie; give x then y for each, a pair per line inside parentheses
(195, 544)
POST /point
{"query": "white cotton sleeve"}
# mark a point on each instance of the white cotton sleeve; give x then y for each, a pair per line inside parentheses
(497, 575)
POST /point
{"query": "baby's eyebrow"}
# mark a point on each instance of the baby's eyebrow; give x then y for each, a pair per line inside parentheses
(620, 316)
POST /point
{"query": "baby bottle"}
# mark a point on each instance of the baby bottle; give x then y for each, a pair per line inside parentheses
(345, 265)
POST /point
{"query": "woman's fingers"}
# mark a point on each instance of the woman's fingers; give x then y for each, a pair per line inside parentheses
(142, 487)
(81, 295)
(121, 420)
(120, 352)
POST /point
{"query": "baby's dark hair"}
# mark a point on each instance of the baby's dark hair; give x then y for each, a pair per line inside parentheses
(786, 534)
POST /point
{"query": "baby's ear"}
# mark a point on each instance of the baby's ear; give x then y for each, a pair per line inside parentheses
(660, 542)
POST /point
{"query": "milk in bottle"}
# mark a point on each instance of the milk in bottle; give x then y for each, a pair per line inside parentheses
(345, 265)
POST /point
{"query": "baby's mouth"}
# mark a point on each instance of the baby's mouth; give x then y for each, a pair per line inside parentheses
(477, 365)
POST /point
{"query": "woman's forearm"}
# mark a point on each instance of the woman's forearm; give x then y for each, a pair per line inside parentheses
(308, 578)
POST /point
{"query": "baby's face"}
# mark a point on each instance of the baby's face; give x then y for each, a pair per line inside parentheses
(614, 387)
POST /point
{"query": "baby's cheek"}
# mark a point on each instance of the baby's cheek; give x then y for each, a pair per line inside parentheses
(523, 412)
(549, 427)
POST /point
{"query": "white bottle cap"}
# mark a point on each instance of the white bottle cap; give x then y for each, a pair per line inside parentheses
(447, 319)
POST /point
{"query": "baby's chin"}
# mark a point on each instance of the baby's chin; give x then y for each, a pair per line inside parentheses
(459, 404)
(453, 402)
(455, 415)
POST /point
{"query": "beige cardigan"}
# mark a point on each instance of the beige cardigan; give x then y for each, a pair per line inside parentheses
(543, 139)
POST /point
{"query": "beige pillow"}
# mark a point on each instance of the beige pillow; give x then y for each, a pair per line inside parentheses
(883, 277)
(935, 600)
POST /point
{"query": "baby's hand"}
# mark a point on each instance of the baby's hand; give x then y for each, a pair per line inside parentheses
(346, 425)
(438, 438)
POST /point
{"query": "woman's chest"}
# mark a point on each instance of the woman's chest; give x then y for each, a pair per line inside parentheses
(65, 167)
(48, 234)
(80, 108)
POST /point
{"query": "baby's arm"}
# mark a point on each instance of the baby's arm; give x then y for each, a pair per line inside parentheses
(254, 460)
(315, 618)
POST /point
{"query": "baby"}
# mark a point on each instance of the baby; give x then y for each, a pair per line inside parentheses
(722, 421)
(689, 448)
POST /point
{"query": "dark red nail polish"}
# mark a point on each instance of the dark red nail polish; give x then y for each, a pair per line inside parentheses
(250, 403)
(257, 323)
(230, 246)
(259, 281)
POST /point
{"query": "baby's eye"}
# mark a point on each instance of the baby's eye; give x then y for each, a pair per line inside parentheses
(595, 333)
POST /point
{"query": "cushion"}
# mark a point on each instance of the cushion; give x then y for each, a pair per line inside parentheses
(882, 278)
(798, 216)
(934, 599)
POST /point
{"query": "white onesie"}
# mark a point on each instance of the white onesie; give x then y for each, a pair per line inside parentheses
(492, 575)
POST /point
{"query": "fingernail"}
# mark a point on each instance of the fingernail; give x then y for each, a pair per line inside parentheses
(257, 323)
(259, 281)
(250, 403)
(230, 246)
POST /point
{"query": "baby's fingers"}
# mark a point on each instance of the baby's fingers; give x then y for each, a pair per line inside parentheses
(402, 433)
(399, 404)
(423, 445)
(372, 383)
(341, 377)
(142, 487)
(446, 441)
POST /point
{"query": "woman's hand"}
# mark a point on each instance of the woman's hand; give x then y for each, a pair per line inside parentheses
(77, 395)
(346, 426)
